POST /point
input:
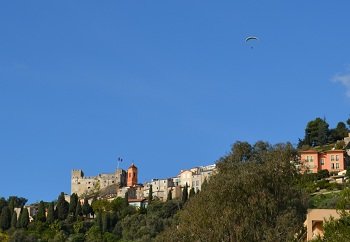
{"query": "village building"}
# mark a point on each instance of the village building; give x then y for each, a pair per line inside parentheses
(313, 161)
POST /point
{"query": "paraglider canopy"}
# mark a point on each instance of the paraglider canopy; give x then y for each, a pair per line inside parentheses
(251, 38)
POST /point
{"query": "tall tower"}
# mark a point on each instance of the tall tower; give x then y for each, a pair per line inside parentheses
(132, 175)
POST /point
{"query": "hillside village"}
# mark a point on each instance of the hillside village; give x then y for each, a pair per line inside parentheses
(116, 197)
(122, 182)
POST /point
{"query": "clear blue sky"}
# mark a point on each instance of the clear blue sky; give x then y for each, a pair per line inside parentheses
(166, 84)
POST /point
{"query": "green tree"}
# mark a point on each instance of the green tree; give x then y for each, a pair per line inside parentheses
(3, 203)
(16, 202)
(62, 207)
(170, 195)
(322, 174)
(73, 203)
(99, 220)
(150, 194)
(51, 213)
(14, 220)
(23, 218)
(41, 214)
(184, 197)
(5, 218)
(250, 200)
(78, 210)
(192, 192)
(87, 209)
(105, 222)
(316, 132)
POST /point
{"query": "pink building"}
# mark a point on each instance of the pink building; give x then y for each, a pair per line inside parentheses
(314, 161)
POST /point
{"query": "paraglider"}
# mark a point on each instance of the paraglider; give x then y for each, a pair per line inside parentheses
(251, 39)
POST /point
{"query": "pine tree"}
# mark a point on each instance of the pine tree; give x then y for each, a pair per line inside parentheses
(150, 194)
(185, 193)
(14, 220)
(73, 204)
(51, 213)
(5, 218)
(41, 216)
(62, 207)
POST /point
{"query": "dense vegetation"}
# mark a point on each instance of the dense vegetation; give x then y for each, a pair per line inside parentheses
(114, 221)
(255, 197)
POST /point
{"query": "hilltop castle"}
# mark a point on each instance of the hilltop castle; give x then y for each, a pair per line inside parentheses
(84, 185)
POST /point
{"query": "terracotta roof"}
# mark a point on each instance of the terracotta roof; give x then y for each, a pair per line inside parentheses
(136, 199)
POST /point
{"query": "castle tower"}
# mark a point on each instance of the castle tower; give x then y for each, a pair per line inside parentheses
(132, 175)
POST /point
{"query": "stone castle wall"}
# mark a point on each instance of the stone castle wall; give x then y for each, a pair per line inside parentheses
(81, 184)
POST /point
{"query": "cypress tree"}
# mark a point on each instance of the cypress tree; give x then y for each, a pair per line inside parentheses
(150, 194)
(5, 218)
(185, 193)
(86, 207)
(62, 207)
(3, 203)
(41, 216)
(92, 210)
(24, 218)
(51, 213)
(192, 192)
(14, 220)
(99, 220)
(78, 210)
(170, 195)
(126, 199)
(105, 222)
(73, 204)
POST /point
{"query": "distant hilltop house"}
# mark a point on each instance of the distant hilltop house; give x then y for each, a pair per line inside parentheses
(193, 177)
(120, 182)
(333, 160)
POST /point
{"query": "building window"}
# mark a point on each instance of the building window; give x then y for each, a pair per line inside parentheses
(309, 158)
(337, 165)
(337, 157)
(322, 161)
(332, 165)
(332, 157)
(197, 183)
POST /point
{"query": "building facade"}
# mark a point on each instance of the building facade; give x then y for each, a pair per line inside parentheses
(313, 161)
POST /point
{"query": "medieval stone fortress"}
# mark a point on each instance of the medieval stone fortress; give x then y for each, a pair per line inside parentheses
(120, 182)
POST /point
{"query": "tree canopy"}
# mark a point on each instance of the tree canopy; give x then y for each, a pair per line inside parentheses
(249, 199)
